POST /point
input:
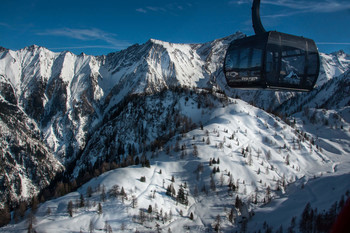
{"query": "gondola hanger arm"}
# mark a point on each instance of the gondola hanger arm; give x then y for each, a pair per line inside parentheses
(257, 25)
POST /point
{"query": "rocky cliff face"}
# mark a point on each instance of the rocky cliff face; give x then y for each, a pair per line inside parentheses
(27, 165)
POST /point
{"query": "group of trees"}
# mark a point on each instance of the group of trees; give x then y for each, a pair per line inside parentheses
(214, 161)
(5, 216)
(19, 210)
(312, 219)
(182, 195)
(152, 213)
(114, 192)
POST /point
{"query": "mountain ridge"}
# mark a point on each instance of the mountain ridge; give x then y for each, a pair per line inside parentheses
(67, 98)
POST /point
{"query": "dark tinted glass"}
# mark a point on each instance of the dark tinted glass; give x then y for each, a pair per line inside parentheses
(292, 67)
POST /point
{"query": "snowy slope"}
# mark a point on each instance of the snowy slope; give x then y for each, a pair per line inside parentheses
(268, 144)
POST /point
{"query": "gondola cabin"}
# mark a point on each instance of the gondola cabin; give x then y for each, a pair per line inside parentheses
(271, 60)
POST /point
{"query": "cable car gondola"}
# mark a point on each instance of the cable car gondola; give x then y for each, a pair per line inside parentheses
(271, 60)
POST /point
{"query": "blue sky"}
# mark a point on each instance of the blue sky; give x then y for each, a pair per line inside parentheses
(99, 27)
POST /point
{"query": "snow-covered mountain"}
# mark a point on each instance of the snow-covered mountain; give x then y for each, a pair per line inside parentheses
(63, 112)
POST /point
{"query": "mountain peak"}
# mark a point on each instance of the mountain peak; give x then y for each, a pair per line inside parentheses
(2, 49)
(35, 47)
(158, 42)
(32, 47)
(339, 53)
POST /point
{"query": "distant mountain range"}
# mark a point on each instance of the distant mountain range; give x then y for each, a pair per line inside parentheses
(66, 112)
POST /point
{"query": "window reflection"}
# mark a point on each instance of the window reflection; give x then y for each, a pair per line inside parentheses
(244, 64)
(292, 69)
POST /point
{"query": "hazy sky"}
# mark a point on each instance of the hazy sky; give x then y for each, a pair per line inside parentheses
(99, 27)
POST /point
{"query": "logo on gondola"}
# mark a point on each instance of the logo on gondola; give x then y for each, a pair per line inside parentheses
(250, 79)
(232, 74)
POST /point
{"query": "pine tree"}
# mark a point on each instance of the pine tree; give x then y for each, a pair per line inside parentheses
(238, 203)
(191, 216)
(181, 196)
(292, 225)
(168, 190)
(122, 192)
(149, 210)
(304, 225)
(287, 159)
(208, 141)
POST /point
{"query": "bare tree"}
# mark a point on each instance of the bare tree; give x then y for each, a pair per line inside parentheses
(103, 194)
(31, 220)
(91, 226)
(70, 208)
(217, 223)
(134, 201)
(99, 208)
(142, 216)
(268, 155)
(195, 151)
